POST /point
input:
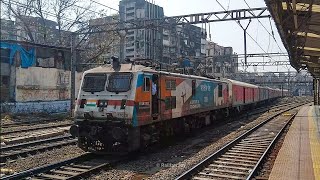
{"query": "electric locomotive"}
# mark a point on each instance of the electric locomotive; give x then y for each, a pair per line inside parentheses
(124, 107)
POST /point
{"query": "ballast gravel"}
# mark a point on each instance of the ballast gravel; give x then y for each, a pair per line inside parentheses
(44, 158)
(170, 162)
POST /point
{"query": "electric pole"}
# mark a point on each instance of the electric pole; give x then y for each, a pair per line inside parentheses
(245, 41)
(73, 75)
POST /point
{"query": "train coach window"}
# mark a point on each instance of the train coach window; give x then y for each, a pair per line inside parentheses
(94, 82)
(170, 102)
(193, 87)
(220, 90)
(173, 102)
(171, 84)
(146, 84)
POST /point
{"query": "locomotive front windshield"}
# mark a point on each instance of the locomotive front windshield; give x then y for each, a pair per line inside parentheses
(119, 82)
(94, 82)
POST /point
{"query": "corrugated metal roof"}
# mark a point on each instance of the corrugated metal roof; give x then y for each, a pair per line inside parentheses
(298, 23)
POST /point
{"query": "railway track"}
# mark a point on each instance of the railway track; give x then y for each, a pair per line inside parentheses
(35, 128)
(241, 158)
(74, 168)
(19, 150)
(28, 123)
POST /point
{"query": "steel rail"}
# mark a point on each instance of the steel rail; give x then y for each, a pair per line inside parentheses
(204, 163)
(15, 124)
(32, 143)
(274, 141)
(94, 169)
(49, 167)
(35, 128)
(74, 168)
(22, 152)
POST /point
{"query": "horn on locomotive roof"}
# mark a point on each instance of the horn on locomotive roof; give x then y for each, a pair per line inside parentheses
(115, 62)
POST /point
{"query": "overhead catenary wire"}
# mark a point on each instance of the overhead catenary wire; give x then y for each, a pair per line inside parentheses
(10, 2)
(246, 32)
(272, 32)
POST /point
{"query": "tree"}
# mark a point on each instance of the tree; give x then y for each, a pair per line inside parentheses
(106, 42)
(51, 22)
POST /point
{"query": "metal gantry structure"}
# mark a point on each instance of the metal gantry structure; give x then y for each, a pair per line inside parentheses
(219, 16)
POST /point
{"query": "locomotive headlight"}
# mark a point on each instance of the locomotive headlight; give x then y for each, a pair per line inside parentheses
(102, 103)
(123, 104)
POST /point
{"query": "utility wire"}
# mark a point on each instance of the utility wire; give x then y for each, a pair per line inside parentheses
(247, 32)
(8, 3)
(270, 34)
(52, 14)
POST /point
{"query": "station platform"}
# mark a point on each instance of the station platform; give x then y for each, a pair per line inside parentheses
(299, 156)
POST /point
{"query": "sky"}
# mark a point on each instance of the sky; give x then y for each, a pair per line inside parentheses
(228, 33)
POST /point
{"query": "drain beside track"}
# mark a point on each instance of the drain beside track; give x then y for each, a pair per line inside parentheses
(241, 158)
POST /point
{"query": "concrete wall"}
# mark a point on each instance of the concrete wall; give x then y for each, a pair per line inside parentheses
(40, 89)
(43, 84)
(36, 107)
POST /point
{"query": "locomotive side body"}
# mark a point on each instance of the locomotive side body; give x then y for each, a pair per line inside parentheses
(191, 95)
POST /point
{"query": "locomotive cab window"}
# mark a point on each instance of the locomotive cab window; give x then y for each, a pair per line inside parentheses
(94, 82)
(146, 84)
(119, 82)
(220, 90)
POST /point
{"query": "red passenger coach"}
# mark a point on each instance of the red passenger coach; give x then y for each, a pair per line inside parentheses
(243, 93)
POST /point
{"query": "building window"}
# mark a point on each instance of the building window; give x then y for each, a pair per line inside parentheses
(218, 70)
(146, 84)
(171, 84)
(129, 50)
(130, 38)
(130, 8)
(130, 14)
(220, 90)
(5, 81)
(130, 32)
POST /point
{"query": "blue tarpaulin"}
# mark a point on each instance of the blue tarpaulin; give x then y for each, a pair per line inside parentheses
(186, 63)
(28, 58)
